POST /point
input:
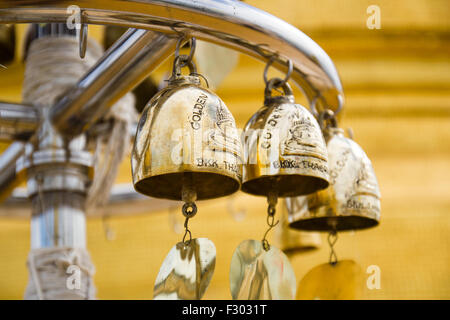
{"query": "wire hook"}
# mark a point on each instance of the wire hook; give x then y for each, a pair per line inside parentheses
(186, 59)
(288, 74)
(186, 232)
(271, 223)
(332, 238)
(82, 41)
(327, 115)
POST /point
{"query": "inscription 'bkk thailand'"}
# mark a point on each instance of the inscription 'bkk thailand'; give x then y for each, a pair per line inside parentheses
(213, 163)
(198, 111)
(359, 205)
(304, 164)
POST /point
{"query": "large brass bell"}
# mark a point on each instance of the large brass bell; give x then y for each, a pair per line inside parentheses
(353, 199)
(186, 132)
(284, 148)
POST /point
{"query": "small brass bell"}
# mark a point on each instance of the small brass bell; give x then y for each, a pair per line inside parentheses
(284, 148)
(292, 241)
(186, 129)
(285, 155)
(353, 199)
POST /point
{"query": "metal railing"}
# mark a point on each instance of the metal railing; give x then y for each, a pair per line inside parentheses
(156, 25)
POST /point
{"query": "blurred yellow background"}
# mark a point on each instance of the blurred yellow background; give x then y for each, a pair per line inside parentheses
(397, 85)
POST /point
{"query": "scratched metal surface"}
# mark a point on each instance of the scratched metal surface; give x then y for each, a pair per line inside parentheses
(186, 272)
(256, 274)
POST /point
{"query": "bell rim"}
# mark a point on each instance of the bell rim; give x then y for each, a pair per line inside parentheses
(337, 223)
(290, 252)
(142, 185)
(250, 186)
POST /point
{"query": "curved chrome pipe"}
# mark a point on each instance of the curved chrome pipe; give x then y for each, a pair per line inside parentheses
(8, 176)
(17, 122)
(226, 22)
(123, 66)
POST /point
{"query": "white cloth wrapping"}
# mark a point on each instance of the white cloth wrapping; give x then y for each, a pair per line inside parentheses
(60, 274)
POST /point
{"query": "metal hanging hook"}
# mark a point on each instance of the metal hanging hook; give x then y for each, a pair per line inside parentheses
(82, 41)
(288, 73)
(332, 238)
(314, 111)
(271, 223)
(272, 198)
(185, 59)
(327, 115)
(186, 232)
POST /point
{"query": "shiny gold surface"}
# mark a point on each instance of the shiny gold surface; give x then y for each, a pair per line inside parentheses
(186, 272)
(284, 150)
(342, 281)
(256, 274)
(186, 128)
(353, 199)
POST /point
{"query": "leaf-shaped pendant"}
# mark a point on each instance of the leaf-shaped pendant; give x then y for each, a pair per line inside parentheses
(186, 272)
(342, 281)
(256, 274)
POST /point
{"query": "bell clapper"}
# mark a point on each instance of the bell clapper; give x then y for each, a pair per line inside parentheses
(272, 199)
(332, 238)
(189, 209)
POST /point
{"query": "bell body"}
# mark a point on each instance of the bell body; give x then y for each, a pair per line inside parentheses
(353, 199)
(284, 150)
(186, 129)
(187, 271)
(293, 242)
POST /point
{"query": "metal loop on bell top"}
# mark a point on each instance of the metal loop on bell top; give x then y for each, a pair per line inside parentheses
(314, 111)
(327, 115)
(191, 52)
(180, 62)
(274, 84)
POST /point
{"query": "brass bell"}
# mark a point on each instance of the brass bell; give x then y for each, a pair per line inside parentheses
(353, 199)
(292, 241)
(186, 132)
(284, 149)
